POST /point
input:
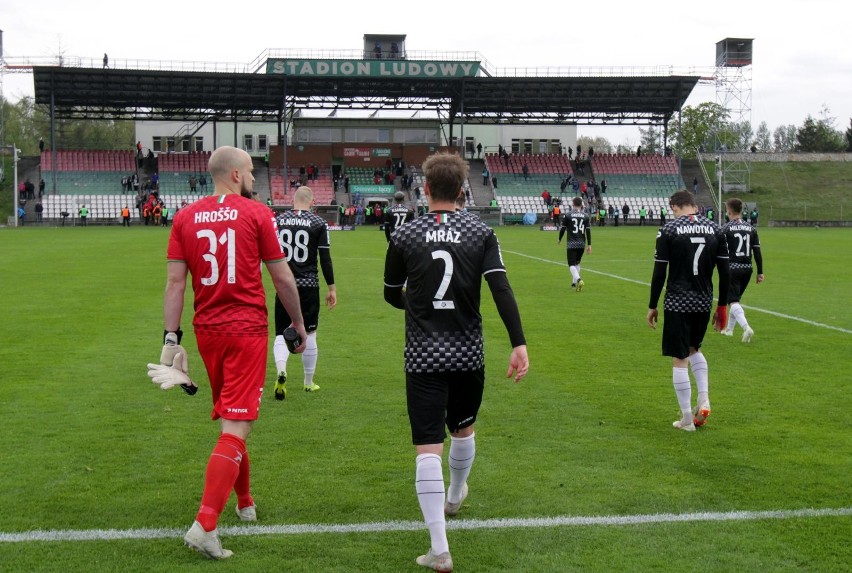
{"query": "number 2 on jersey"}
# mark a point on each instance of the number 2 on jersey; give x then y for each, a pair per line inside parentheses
(439, 303)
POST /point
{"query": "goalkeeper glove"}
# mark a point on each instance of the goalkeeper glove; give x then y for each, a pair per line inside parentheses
(720, 318)
(174, 355)
(168, 376)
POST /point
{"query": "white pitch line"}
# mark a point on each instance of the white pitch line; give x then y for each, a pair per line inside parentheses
(754, 308)
(397, 526)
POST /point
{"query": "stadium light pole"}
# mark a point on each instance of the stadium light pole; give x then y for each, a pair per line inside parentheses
(719, 199)
(14, 151)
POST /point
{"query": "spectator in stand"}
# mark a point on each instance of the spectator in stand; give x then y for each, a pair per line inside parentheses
(202, 182)
(377, 51)
(478, 150)
(639, 151)
(570, 153)
(41, 145)
(192, 183)
(485, 176)
(310, 172)
(545, 195)
(30, 189)
(22, 214)
(625, 211)
(603, 185)
(394, 53)
(695, 185)
(526, 171)
(591, 153)
(494, 182)
(39, 209)
(579, 151)
(106, 61)
(155, 181)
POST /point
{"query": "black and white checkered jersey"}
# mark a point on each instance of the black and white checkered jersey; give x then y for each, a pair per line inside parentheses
(302, 234)
(441, 257)
(742, 241)
(691, 245)
(576, 223)
(397, 215)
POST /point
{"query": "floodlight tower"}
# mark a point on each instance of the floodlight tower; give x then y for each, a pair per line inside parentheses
(2, 96)
(733, 93)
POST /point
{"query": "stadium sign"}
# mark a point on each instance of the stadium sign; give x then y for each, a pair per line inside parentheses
(372, 68)
(378, 189)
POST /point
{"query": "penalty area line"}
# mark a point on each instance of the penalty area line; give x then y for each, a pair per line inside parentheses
(647, 284)
(397, 526)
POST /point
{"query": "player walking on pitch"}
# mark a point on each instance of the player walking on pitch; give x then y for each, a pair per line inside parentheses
(689, 247)
(397, 215)
(304, 238)
(442, 257)
(576, 223)
(743, 243)
(221, 241)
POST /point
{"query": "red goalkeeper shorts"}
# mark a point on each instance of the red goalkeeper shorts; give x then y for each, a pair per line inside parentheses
(236, 367)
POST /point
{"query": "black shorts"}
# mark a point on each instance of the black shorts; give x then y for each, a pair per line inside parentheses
(436, 399)
(575, 256)
(739, 281)
(309, 300)
(682, 331)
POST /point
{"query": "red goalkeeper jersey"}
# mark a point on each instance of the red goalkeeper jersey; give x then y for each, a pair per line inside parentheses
(223, 240)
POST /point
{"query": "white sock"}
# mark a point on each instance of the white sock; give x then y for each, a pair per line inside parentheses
(309, 358)
(683, 390)
(701, 372)
(429, 483)
(738, 314)
(575, 273)
(462, 453)
(281, 354)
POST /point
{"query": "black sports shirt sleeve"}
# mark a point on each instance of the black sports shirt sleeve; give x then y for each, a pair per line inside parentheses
(657, 281)
(394, 277)
(326, 266)
(507, 306)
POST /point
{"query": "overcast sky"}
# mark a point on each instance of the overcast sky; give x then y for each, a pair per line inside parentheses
(802, 61)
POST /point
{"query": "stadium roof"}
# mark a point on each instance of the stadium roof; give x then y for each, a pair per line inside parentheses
(179, 95)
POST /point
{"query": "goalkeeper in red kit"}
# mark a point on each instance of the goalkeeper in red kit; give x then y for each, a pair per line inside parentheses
(221, 241)
(688, 248)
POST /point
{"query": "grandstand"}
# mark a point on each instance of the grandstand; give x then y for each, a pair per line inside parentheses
(93, 178)
(637, 181)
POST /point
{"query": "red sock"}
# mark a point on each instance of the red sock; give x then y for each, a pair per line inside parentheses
(222, 471)
(241, 486)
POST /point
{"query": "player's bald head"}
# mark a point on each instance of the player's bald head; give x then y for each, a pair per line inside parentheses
(225, 160)
(303, 197)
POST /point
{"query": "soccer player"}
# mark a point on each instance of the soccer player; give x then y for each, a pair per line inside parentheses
(576, 223)
(304, 238)
(742, 244)
(689, 247)
(433, 269)
(397, 215)
(221, 241)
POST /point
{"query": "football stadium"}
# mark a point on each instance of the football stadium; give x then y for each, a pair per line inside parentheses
(577, 466)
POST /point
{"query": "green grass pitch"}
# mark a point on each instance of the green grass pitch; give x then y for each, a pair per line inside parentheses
(90, 444)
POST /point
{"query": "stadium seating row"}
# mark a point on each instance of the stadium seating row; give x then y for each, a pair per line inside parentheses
(104, 207)
(121, 161)
(520, 204)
